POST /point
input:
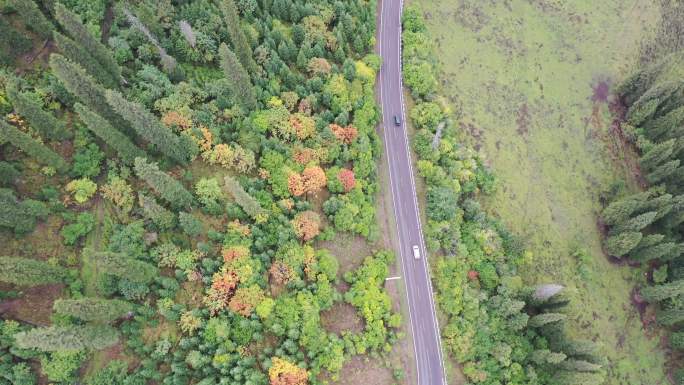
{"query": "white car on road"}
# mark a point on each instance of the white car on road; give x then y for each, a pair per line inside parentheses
(416, 252)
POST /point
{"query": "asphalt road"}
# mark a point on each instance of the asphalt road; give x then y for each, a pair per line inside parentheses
(415, 272)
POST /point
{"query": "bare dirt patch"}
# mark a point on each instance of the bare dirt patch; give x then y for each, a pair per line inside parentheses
(365, 370)
(342, 317)
(34, 305)
(349, 249)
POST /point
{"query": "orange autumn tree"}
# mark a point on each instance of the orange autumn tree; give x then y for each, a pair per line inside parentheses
(306, 225)
(346, 177)
(246, 300)
(283, 372)
(303, 126)
(295, 184)
(223, 286)
(230, 253)
(314, 179)
(280, 272)
(345, 135)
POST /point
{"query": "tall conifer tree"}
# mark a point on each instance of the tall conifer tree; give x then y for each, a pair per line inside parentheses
(104, 56)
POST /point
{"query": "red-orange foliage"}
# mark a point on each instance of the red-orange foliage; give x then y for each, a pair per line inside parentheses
(346, 177)
(246, 299)
(224, 282)
(222, 288)
(307, 225)
(314, 179)
(280, 272)
(233, 252)
(295, 184)
(344, 134)
(173, 118)
(304, 155)
(304, 126)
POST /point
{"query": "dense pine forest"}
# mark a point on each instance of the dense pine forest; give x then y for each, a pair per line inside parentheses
(167, 169)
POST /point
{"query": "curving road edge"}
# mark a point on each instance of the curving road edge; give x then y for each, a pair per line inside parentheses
(416, 273)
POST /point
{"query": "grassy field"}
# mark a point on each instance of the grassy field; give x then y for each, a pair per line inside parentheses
(531, 82)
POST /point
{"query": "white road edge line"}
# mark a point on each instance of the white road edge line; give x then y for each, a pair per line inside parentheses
(394, 207)
(415, 198)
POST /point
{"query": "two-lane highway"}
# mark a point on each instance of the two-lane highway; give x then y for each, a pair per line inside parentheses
(423, 319)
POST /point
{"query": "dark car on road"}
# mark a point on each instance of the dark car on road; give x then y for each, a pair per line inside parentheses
(397, 120)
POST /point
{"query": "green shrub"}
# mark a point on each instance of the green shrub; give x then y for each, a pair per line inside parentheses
(62, 366)
(72, 233)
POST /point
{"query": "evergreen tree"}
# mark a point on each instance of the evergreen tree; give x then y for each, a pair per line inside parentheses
(547, 357)
(662, 204)
(190, 224)
(32, 17)
(655, 102)
(31, 147)
(67, 338)
(648, 241)
(250, 205)
(168, 188)
(635, 224)
(670, 317)
(583, 349)
(564, 377)
(93, 309)
(29, 272)
(621, 210)
(237, 35)
(79, 55)
(543, 319)
(179, 148)
(621, 244)
(639, 82)
(677, 340)
(105, 57)
(123, 266)
(663, 251)
(20, 216)
(112, 137)
(657, 155)
(665, 127)
(574, 365)
(238, 79)
(84, 87)
(42, 121)
(8, 174)
(161, 217)
(663, 171)
(13, 42)
(658, 293)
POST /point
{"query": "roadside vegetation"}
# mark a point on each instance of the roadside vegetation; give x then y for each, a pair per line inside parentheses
(497, 329)
(535, 87)
(166, 172)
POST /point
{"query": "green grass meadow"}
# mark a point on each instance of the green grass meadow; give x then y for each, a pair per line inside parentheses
(531, 85)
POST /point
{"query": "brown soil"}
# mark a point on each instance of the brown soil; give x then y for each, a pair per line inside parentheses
(34, 305)
(364, 370)
(342, 317)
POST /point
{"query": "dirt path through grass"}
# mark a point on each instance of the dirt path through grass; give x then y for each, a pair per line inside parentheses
(532, 82)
